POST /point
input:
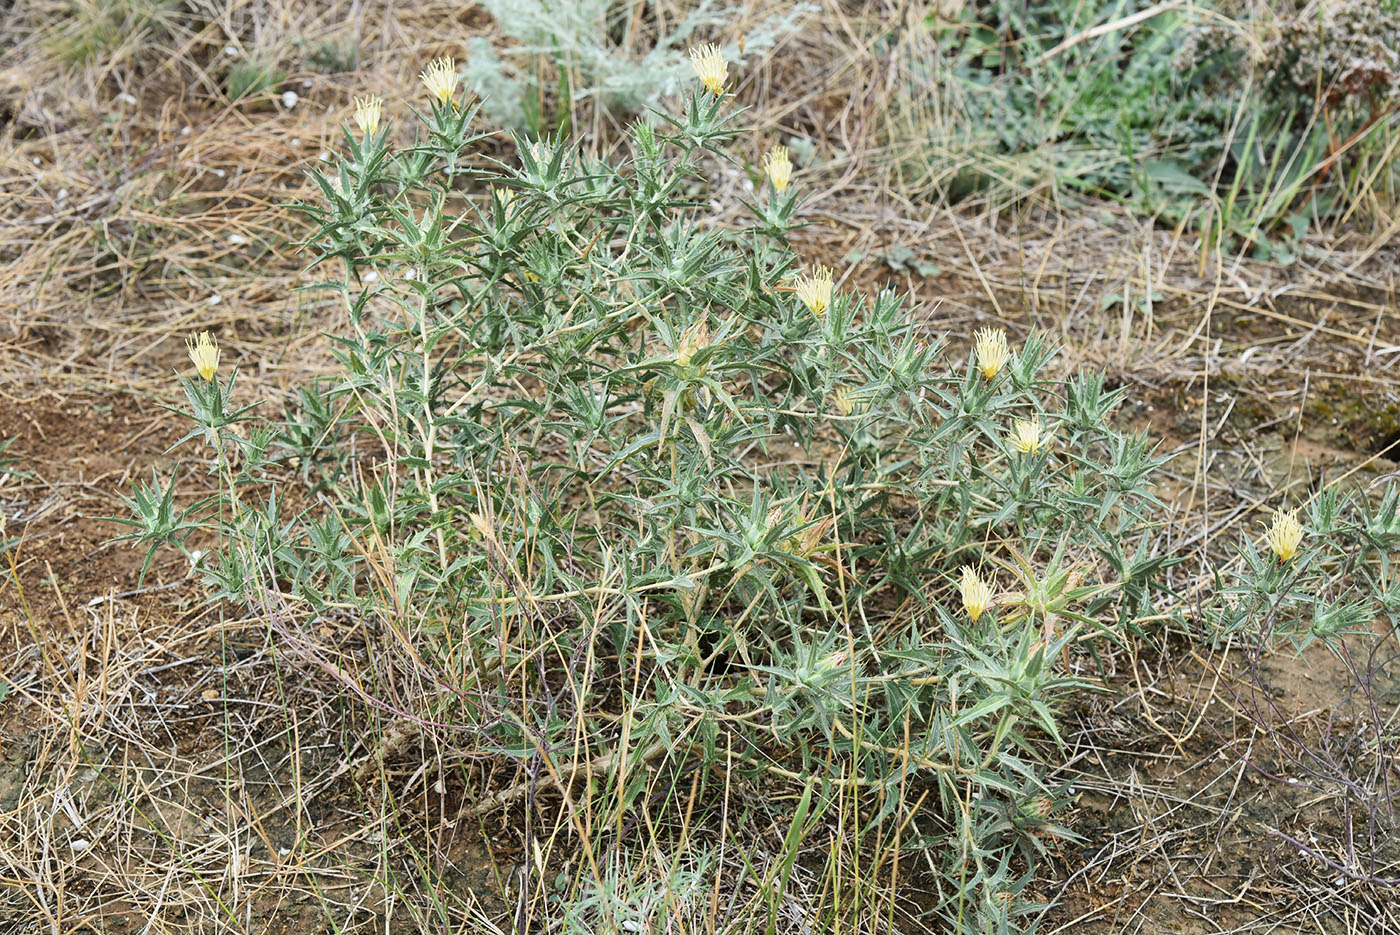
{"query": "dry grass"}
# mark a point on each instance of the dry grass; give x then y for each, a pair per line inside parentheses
(165, 766)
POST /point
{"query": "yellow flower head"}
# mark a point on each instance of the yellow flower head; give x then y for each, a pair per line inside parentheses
(815, 290)
(778, 166)
(440, 78)
(204, 352)
(992, 351)
(976, 593)
(504, 195)
(367, 113)
(1285, 534)
(710, 67)
(1028, 437)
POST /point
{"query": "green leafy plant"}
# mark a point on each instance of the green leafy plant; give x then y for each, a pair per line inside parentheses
(1328, 577)
(8, 472)
(250, 78)
(94, 30)
(1253, 129)
(623, 498)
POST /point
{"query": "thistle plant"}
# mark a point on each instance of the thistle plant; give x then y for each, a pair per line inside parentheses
(1321, 578)
(1323, 575)
(551, 64)
(619, 485)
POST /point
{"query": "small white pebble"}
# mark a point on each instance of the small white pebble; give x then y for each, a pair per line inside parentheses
(283, 851)
(411, 275)
(324, 156)
(219, 172)
(195, 556)
(36, 160)
(296, 141)
(127, 99)
(79, 845)
(62, 194)
(215, 299)
(231, 50)
(289, 99)
(237, 239)
(371, 276)
(185, 131)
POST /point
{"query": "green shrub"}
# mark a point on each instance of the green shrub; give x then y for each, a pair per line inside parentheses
(1253, 130)
(1333, 577)
(633, 504)
(1328, 577)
